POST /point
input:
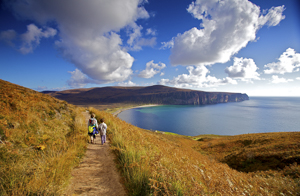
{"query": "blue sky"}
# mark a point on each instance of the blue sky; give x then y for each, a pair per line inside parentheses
(243, 46)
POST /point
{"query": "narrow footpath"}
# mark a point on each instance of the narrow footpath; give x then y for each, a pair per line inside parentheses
(97, 173)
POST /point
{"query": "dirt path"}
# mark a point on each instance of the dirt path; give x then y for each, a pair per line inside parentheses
(97, 173)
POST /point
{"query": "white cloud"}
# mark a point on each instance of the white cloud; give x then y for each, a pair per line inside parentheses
(227, 26)
(288, 62)
(44, 88)
(150, 31)
(277, 80)
(147, 42)
(102, 59)
(29, 40)
(78, 79)
(197, 78)
(129, 83)
(273, 16)
(166, 45)
(8, 37)
(135, 34)
(135, 41)
(298, 78)
(87, 31)
(41, 88)
(59, 88)
(151, 69)
(243, 68)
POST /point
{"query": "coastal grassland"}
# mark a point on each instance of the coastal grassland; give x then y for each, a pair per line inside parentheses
(164, 164)
(42, 139)
(254, 152)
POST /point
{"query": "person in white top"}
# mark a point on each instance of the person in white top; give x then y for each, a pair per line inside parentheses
(102, 129)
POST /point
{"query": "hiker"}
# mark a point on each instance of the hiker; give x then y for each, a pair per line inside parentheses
(92, 128)
(102, 130)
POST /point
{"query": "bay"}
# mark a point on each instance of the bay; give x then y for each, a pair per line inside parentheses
(257, 115)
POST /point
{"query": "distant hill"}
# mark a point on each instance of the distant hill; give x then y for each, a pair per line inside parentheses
(157, 94)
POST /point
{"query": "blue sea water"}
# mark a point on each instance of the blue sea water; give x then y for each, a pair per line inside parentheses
(257, 115)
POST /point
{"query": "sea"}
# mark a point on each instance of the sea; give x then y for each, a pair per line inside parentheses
(257, 115)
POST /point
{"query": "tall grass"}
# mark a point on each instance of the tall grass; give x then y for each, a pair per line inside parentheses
(43, 139)
(254, 152)
(160, 164)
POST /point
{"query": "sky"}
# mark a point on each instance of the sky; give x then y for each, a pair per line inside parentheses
(241, 46)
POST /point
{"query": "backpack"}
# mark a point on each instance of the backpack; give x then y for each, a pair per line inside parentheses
(92, 126)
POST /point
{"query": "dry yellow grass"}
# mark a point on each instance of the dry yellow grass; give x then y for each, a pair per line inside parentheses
(159, 164)
(45, 137)
(42, 140)
(254, 152)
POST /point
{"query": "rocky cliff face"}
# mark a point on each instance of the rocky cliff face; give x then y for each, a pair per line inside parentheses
(157, 94)
(183, 98)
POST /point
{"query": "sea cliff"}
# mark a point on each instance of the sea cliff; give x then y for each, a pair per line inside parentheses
(156, 94)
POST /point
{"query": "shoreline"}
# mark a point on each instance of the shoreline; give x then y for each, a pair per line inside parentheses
(141, 106)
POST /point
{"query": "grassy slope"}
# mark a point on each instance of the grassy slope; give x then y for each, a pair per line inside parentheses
(163, 164)
(42, 138)
(45, 137)
(254, 152)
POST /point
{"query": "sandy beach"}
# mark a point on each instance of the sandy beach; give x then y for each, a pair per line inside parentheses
(142, 106)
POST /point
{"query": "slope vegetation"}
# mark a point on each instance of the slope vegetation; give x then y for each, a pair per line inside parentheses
(255, 152)
(42, 139)
(161, 164)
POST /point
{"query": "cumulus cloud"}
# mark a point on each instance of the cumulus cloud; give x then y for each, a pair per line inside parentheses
(198, 77)
(136, 41)
(298, 78)
(128, 83)
(288, 62)
(29, 40)
(244, 69)
(102, 59)
(227, 26)
(78, 79)
(135, 34)
(88, 32)
(151, 69)
(277, 80)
